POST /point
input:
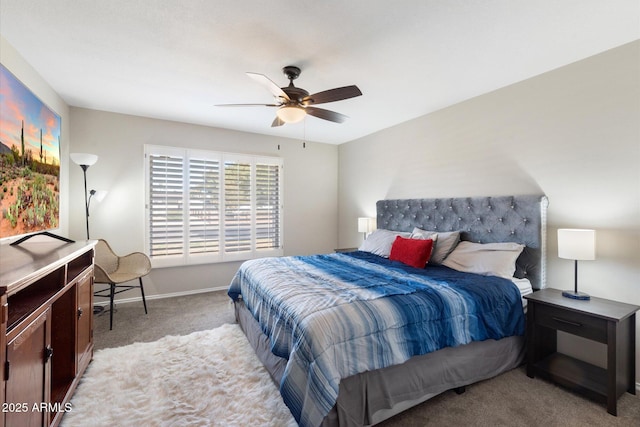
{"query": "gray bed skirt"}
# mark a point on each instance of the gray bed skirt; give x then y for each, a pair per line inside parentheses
(374, 396)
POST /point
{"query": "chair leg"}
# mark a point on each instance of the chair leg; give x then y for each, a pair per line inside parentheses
(144, 302)
(112, 288)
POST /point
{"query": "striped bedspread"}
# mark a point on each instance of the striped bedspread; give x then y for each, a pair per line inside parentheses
(337, 315)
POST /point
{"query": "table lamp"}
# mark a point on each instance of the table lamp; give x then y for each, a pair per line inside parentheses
(366, 226)
(578, 245)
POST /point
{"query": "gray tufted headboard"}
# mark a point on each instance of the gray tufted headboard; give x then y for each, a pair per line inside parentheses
(520, 219)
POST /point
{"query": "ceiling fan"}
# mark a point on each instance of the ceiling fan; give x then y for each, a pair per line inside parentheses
(294, 103)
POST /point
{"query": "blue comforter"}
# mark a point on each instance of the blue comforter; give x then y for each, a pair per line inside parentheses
(336, 315)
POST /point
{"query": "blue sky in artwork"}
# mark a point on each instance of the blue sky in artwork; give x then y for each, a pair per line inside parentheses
(18, 104)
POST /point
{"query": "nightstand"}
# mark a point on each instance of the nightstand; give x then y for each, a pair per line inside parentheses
(345, 249)
(609, 322)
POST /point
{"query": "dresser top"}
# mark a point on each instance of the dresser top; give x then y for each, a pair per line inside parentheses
(598, 307)
(29, 260)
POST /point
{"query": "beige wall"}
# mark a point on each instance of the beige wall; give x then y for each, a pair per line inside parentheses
(572, 134)
(14, 62)
(310, 188)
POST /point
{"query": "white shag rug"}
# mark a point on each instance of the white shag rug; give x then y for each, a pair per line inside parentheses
(208, 378)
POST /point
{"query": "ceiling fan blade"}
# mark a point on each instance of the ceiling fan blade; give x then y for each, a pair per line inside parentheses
(321, 113)
(270, 85)
(247, 105)
(277, 122)
(332, 95)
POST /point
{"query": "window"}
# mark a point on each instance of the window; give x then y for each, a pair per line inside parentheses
(204, 206)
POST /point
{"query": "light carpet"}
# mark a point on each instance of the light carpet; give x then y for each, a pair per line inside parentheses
(207, 378)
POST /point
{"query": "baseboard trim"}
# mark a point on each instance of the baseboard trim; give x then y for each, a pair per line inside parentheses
(161, 296)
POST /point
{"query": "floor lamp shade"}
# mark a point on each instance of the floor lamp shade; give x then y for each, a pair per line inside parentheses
(85, 159)
(578, 245)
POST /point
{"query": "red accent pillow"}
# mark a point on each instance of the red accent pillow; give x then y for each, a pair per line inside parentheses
(413, 252)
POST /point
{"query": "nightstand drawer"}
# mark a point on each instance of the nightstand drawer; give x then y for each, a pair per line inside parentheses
(574, 323)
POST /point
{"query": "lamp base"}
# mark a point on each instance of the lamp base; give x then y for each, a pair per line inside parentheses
(576, 295)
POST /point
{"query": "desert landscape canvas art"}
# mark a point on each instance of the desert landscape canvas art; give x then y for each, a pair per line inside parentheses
(29, 160)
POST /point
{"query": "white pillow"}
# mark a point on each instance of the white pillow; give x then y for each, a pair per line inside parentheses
(489, 259)
(442, 245)
(380, 241)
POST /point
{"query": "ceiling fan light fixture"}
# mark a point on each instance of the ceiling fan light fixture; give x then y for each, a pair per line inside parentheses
(291, 113)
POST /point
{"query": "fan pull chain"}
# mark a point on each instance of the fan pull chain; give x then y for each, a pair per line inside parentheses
(304, 135)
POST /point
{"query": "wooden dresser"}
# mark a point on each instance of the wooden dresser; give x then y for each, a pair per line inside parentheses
(46, 329)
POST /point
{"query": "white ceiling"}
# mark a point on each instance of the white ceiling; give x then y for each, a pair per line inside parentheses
(175, 60)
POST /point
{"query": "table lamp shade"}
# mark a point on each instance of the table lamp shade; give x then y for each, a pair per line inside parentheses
(577, 244)
(363, 225)
(366, 225)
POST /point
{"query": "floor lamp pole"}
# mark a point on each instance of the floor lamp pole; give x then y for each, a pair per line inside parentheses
(86, 202)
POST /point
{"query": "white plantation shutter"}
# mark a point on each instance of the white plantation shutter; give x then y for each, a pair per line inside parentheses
(165, 207)
(267, 221)
(209, 207)
(238, 221)
(204, 205)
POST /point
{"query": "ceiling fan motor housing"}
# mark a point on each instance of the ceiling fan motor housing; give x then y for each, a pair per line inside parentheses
(296, 94)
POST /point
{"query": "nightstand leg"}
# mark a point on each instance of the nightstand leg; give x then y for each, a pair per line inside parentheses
(612, 368)
(541, 342)
(531, 341)
(632, 354)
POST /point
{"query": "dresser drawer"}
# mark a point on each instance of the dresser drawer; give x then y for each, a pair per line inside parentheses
(574, 323)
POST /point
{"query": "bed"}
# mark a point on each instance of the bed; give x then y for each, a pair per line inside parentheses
(384, 351)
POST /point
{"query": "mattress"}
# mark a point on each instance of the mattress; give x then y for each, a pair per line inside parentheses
(525, 288)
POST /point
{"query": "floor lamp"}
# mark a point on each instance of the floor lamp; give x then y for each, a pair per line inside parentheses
(85, 160)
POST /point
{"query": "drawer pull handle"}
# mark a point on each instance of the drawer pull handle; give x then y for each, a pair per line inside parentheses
(557, 319)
